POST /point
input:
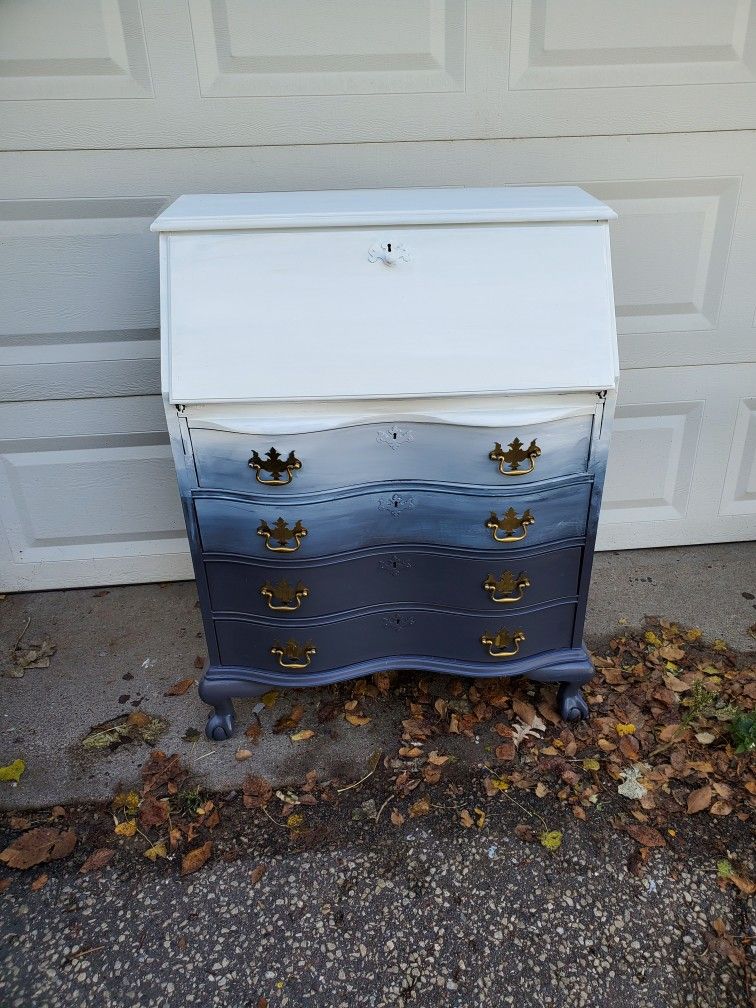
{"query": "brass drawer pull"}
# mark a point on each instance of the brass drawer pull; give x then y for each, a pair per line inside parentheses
(275, 464)
(507, 588)
(504, 644)
(287, 599)
(282, 534)
(516, 454)
(293, 655)
(508, 524)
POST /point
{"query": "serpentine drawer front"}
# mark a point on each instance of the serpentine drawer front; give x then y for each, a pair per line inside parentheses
(390, 413)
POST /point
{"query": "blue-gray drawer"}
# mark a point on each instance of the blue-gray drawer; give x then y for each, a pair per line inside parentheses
(450, 578)
(386, 452)
(318, 646)
(475, 519)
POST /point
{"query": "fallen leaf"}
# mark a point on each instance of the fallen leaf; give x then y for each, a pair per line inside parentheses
(97, 860)
(700, 799)
(302, 736)
(294, 821)
(720, 808)
(4, 885)
(242, 754)
(257, 791)
(541, 790)
(625, 729)
(126, 828)
(420, 807)
(37, 846)
(39, 881)
(289, 721)
(396, 817)
(19, 823)
(466, 819)
(257, 873)
(526, 833)
(705, 738)
(193, 860)
(646, 836)
(551, 839)
(153, 812)
(199, 662)
(12, 772)
(591, 764)
(270, 699)
(156, 851)
(180, 687)
(358, 720)
(254, 732)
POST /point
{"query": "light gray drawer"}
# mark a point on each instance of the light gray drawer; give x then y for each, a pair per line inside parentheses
(409, 515)
(385, 452)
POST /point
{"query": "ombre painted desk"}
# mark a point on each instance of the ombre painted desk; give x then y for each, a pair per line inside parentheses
(389, 412)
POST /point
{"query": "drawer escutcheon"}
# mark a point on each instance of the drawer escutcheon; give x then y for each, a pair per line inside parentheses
(508, 524)
(275, 464)
(283, 535)
(282, 597)
(293, 655)
(503, 644)
(517, 453)
(507, 587)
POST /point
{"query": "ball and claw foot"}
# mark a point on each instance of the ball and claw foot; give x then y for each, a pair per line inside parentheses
(220, 724)
(571, 702)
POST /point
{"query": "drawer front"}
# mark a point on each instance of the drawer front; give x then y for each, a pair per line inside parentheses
(425, 577)
(361, 518)
(406, 633)
(386, 452)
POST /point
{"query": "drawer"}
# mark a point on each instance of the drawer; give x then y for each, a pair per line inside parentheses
(386, 452)
(410, 515)
(450, 578)
(403, 633)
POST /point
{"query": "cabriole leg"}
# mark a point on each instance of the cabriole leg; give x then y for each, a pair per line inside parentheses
(220, 723)
(571, 702)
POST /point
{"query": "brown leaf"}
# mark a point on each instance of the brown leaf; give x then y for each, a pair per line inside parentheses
(161, 770)
(505, 751)
(396, 817)
(466, 819)
(254, 732)
(180, 687)
(257, 873)
(720, 808)
(646, 836)
(744, 884)
(357, 719)
(257, 791)
(526, 833)
(195, 859)
(524, 711)
(37, 846)
(629, 748)
(420, 807)
(700, 799)
(4, 885)
(437, 759)
(39, 881)
(288, 722)
(199, 662)
(97, 860)
(153, 812)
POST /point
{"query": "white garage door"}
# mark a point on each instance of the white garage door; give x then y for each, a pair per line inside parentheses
(111, 108)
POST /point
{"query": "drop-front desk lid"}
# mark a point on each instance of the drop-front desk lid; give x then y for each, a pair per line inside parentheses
(386, 293)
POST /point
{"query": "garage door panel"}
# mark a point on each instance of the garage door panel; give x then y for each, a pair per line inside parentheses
(78, 49)
(681, 434)
(225, 72)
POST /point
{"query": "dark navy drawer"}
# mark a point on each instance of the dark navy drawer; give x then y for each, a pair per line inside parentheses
(409, 515)
(386, 452)
(431, 577)
(404, 633)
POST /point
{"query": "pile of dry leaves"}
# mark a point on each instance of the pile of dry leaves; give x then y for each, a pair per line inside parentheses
(670, 737)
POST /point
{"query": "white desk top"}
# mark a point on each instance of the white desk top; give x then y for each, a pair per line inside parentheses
(359, 207)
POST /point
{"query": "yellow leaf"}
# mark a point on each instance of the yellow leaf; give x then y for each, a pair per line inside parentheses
(270, 699)
(302, 736)
(355, 719)
(625, 729)
(13, 771)
(420, 807)
(480, 817)
(126, 828)
(591, 764)
(551, 840)
(719, 645)
(693, 634)
(157, 851)
(651, 638)
(126, 800)
(498, 785)
(294, 821)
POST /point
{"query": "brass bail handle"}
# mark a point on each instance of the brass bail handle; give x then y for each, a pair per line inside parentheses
(282, 597)
(516, 454)
(281, 533)
(293, 655)
(506, 588)
(508, 524)
(503, 644)
(275, 464)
